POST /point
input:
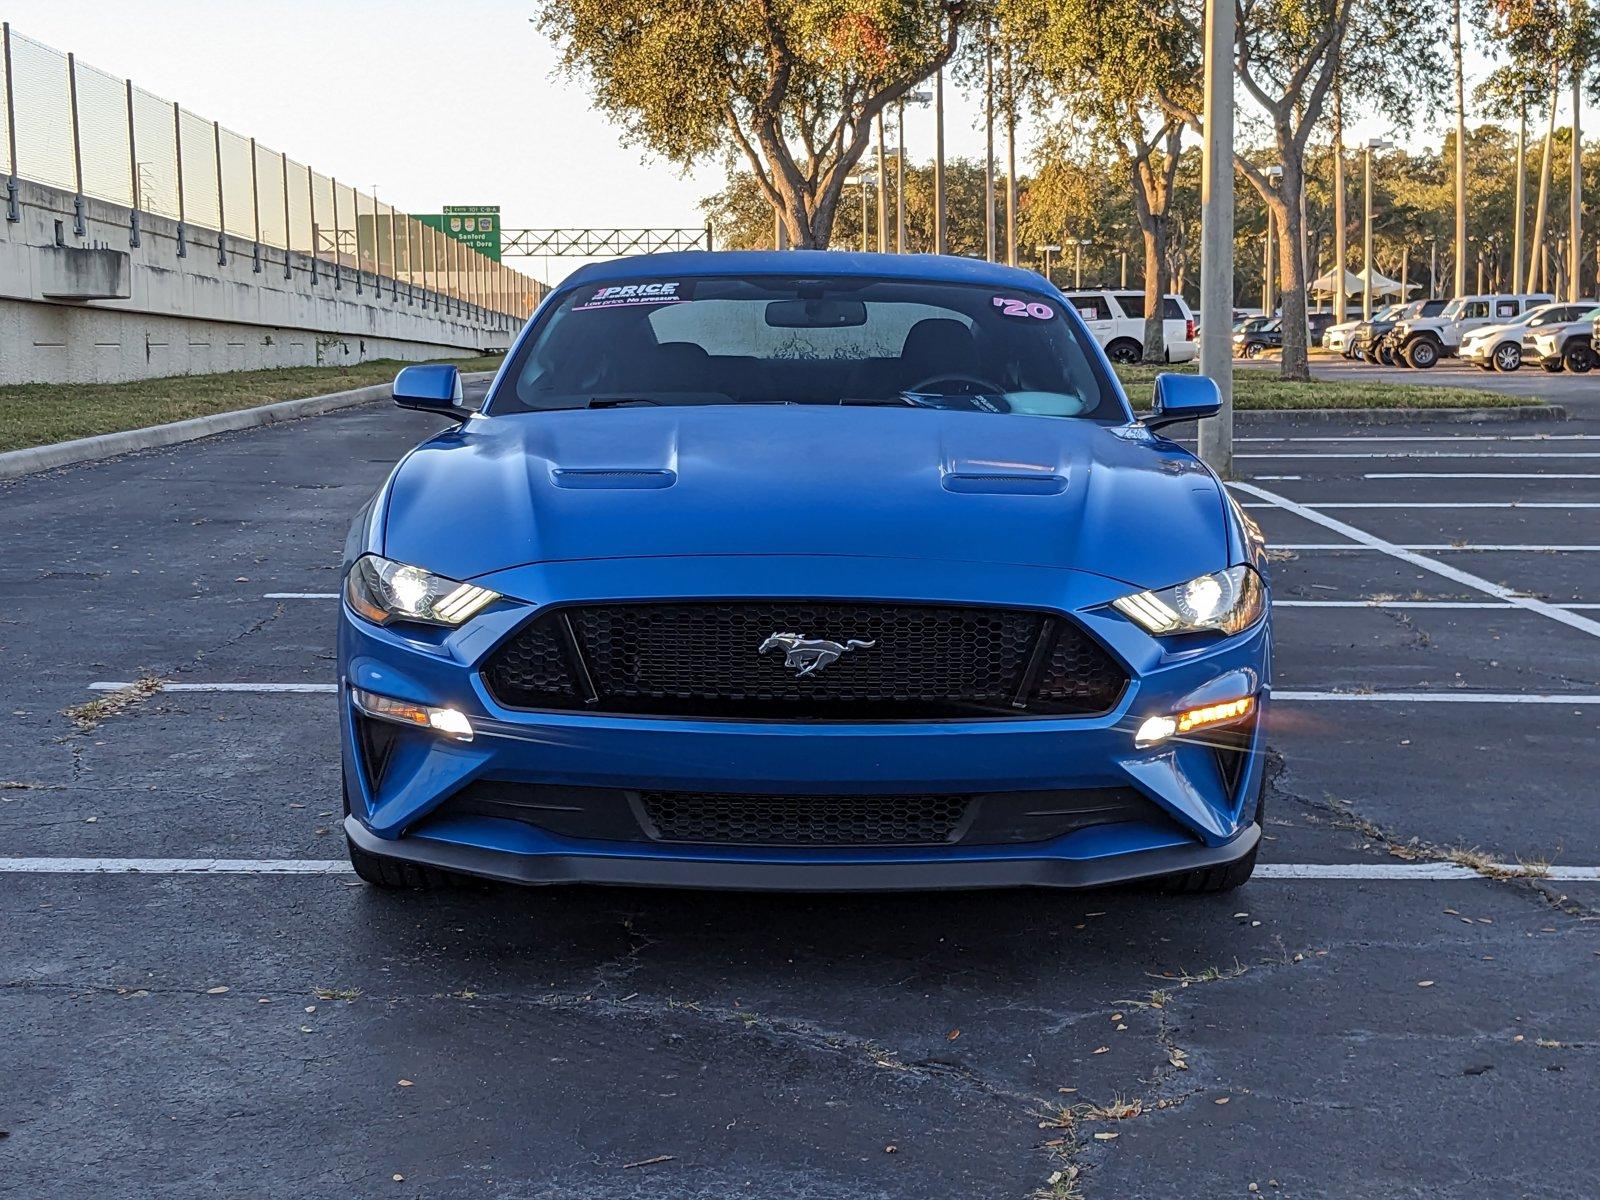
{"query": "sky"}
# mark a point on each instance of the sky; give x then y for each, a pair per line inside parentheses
(428, 103)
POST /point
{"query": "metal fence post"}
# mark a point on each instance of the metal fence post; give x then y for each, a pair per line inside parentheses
(133, 170)
(177, 155)
(338, 266)
(13, 213)
(394, 261)
(311, 195)
(222, 203)
(255, 203)
(78, 225)
(288, 229)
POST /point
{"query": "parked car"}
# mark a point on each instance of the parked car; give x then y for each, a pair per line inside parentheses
(1370, 339)
(1499, 347)
(1337, 337)
(1116, 318)
(1317, 323)
(1256, 336)
(920, 604)
(1568, 347)
(1423, 341)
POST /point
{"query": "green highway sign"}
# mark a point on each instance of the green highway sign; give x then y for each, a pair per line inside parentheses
(474, 225)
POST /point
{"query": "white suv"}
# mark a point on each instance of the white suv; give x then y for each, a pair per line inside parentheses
(1423, 341)
(1116, 318)
(1500, 347)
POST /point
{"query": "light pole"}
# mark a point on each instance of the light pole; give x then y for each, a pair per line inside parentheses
(1366, 222)
(1077, 245)
(1049, 248)
(1216, 232)
(1011, 165)
(939, 246)
(883, 192)
(1121, 230)
(988, 145)
(922, 100)
(1268, 291)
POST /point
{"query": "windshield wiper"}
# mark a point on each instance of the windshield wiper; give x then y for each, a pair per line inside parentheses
(619, 401)
(897, 401)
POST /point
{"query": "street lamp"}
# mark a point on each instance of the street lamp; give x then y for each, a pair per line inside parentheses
(1366, 231)
(1121, 230)
(1274, 176)
(1049, 249)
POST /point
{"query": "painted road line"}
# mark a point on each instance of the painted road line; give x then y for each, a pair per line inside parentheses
(301, 596)
(1479, 604)
(1394, 872)
(1427, 454)
(1442, 437)
(1443, 547)
(1277, 477)
(1466, 475)
(1438, 504)
(111, 686)
(1578, 701)
(1467, 579)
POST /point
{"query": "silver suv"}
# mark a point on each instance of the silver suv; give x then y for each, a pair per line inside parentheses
(1423, 341)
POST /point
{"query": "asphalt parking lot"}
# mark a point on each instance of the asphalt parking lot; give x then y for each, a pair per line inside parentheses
(1373, 1016)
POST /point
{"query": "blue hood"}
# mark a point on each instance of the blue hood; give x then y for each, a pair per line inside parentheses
(955, 487)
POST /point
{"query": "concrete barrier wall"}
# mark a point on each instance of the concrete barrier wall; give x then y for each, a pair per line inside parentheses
(96, 308)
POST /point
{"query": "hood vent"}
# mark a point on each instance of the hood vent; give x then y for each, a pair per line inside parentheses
(613, 478)
(1012, 483)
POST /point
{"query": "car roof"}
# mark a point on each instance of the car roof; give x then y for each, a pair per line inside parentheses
(685, 264)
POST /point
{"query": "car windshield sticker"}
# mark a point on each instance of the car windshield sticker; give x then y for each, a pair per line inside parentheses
(1012, 307)
(629, 295)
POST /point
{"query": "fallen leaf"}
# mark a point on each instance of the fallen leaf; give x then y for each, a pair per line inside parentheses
(1222, 1099)
(952, 1035)
(407, 1083)
(398, 1178)
(216, 991)
(1103, 1050)
(1105, 1136)
(649, 1162)
(1424, 983)
(890, 1149)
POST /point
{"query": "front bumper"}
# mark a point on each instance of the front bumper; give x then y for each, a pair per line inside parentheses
(1196, 817)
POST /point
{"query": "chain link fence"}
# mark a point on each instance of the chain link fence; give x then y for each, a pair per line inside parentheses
(73, 126)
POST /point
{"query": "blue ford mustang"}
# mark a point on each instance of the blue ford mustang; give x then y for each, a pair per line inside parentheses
(810, 571)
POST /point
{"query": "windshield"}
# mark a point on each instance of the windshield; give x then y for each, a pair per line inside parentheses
(830, 340)
(1453, 309)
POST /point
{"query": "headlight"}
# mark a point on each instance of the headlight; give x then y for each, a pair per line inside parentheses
(1230, 601)
(382, 590)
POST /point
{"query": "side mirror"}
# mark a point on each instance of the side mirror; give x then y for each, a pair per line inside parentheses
(1183, 398)
(433, 387)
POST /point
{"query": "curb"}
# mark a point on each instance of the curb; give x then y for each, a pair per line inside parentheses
(1407, 416)
(31, 459)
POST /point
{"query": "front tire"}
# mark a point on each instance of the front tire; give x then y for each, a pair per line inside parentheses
(1252, 350)
(1507, 357)
(1422, 354)
(1578, 360)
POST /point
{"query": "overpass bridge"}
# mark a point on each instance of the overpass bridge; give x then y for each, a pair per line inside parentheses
(140, 239)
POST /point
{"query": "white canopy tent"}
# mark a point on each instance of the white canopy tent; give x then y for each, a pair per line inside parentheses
(1355, 284)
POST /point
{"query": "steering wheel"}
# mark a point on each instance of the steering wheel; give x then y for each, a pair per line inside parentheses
(975, 385)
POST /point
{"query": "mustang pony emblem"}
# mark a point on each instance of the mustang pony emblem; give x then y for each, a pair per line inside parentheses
(806, 655)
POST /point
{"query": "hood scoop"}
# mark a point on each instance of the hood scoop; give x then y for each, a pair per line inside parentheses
(613, 479)
(1005, 483)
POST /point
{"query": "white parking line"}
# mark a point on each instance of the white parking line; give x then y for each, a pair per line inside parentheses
(1579, 701)
(1500, 604)
(1442, 437)
(1466, 475)
(1475, 582)
(1427, 454)
(301, 596)
(1395, 872)
(1430, 504)
(111, 686)
(1514, 547)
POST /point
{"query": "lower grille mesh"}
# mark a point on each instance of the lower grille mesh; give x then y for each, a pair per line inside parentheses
(804, 820)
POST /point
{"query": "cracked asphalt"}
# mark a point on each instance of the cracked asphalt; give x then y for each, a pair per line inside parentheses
(304, 1036)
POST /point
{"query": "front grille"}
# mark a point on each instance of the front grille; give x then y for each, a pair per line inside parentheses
(704, 659)
(851, 819)
(803, 820)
